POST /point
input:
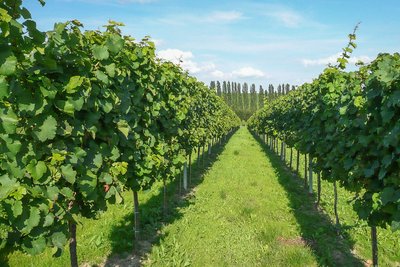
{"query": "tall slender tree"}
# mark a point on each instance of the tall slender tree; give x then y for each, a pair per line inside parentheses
(253, 98)
(219, 91)
(229, 94)
(212, 85)
(245, 92)
(260, 97)
(271, 91)
(287, 88)
(224, 91)
(240, 97)
(234, 98)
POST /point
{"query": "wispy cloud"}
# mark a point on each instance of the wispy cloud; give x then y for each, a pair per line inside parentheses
(288, 18)
(271, 45)
(134, 1)
(224, 16)
(214, 17)
(333, 59)
(113, 2)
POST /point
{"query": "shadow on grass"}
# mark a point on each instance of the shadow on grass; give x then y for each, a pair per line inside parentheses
(151, 213)
(317, 229)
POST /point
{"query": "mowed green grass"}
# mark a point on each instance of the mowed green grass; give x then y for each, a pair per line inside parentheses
(241, 216)
(355, 231)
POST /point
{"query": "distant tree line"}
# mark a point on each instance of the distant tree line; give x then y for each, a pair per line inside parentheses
(245, 99)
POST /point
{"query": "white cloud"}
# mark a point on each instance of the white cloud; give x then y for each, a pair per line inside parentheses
(217, 74)
(175, 55)
(320, 61)
(224, 16)
(185, 60)
(333, 59)
(364, 59)
(248, 72)
(157, 42)
(288, 18)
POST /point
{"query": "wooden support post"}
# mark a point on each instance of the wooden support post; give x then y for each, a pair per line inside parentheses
(310, 176)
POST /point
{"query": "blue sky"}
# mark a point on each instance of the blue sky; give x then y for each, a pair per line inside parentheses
(259, 42)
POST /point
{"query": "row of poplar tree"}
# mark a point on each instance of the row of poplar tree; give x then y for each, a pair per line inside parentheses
(245, 99)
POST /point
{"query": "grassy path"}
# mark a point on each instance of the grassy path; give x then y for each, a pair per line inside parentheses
(242, 215)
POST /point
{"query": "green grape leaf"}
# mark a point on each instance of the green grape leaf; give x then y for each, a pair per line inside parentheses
(115, 43)
(394, 99)
(123, 127)
(9, 120)
(101, 76)
(19, 193)
(118, 197)
(14, 147)
(47, 131)
(35, 246)
(17, 208)
(342, 110)
(107, 178)
(87, 183)
(67, 192)
(59, 240)
(386, 72)
(100, 52)
(73, 85)
(395, 226)
(7, 186)
(36, 169)
(382, 173)
(4, 15)
(107, 106)
(110, 69)
(32, 221)
(114, 153)
(66, 106)
(15, 169)
(98, 160)
(387, 115)
(52, 192)
(387, 160)
(9, 66)
(76, 102)
(4, 92)
(388, 195)
(48, 220)
(68, 173)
